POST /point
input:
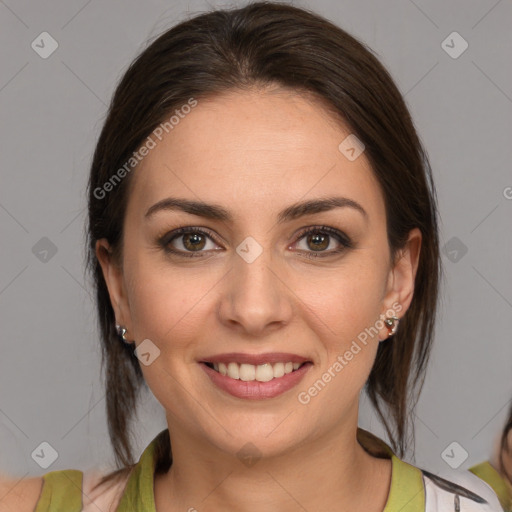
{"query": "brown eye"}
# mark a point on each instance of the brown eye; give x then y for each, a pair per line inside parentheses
(318, 239)
(193, 241)
(318, 242)
(188, 242)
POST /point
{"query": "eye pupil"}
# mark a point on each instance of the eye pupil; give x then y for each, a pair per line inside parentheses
(194, 239)
(318, 238)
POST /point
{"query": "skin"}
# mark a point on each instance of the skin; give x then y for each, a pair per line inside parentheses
(19, 495)
(506, 457)
(255, 153)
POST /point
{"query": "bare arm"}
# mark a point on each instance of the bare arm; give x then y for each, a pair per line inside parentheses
(19, 495)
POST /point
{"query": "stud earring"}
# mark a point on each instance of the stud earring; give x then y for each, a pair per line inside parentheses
(121, 332)
(392, 324)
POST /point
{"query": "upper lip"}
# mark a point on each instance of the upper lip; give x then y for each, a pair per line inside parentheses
(255, 359)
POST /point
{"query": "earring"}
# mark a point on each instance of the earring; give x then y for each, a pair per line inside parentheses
(392, 324)
(121, 332)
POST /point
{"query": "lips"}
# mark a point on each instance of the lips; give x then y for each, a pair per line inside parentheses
(255, 359)
(255, 376)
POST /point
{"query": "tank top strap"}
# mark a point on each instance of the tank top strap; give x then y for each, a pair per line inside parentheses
(61, 492)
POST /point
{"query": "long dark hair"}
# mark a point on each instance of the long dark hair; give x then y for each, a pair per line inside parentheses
(257, 45)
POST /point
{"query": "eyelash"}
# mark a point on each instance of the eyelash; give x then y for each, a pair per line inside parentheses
(344, 240)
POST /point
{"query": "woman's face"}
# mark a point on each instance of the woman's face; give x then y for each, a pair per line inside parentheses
(252, 283)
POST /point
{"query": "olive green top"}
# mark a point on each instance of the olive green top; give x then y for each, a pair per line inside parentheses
(62, 490)
(500, 486)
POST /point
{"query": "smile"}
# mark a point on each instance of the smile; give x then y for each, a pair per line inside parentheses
(250, 372)
(255, 376)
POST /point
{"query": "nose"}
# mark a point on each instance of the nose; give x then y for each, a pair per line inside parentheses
(255, 299)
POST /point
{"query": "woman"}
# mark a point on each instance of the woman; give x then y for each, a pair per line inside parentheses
(263, 239)
(497, 472)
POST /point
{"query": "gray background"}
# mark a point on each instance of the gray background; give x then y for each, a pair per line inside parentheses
(51, 111)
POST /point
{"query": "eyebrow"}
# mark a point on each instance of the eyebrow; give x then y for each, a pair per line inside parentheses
(217, 212)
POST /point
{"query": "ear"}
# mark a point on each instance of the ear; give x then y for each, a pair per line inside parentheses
(400, 286)
(113, 275)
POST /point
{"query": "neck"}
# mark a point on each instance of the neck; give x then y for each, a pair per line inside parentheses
(330, 473)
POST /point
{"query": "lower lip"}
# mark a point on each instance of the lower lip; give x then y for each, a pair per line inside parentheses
(255, 390)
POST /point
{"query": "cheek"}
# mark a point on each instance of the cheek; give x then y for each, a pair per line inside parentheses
(163, 304)
(168, 309)
(351, 301)
(350, 312)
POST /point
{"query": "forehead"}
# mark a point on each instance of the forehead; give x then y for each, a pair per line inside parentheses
(254, 149)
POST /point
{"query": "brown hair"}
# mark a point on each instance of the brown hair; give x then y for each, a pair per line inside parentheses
(505, 447)
(259, 45)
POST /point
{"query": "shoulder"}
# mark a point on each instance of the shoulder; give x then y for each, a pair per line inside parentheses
(458, 490)
(103, 496)
(65, 490)
(19, 495)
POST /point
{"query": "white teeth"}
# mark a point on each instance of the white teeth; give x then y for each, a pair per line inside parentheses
(249, 372)
(233, 371)
(264, 372)
(278, 370)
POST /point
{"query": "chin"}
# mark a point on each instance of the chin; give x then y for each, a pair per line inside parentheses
(272, 435)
